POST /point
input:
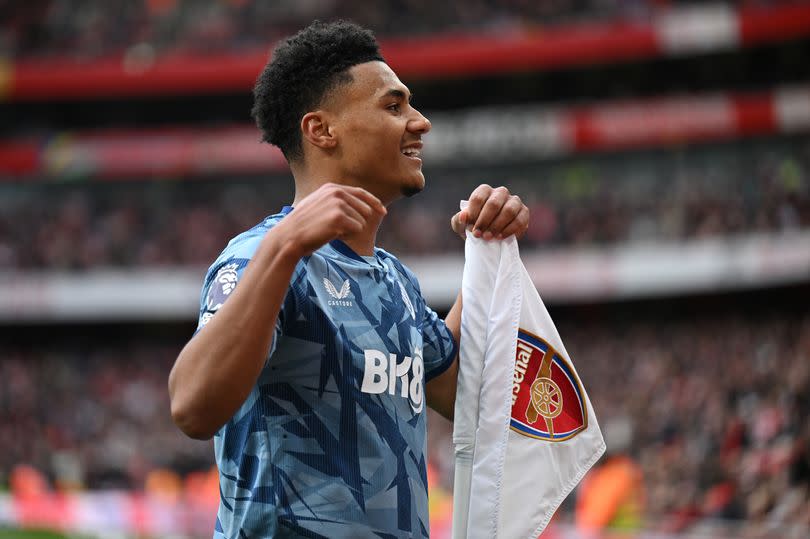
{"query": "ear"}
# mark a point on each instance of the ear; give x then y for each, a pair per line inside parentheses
(315, 129)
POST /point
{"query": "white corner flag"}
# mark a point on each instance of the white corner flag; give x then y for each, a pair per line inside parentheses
(524, 430)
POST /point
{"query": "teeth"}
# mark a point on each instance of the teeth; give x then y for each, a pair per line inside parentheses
(411, 152)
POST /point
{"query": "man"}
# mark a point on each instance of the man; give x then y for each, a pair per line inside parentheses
(314, 373)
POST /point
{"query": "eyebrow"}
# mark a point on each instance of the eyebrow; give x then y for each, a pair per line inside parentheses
(399, 94)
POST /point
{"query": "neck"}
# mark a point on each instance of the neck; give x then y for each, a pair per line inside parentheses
(363, 242)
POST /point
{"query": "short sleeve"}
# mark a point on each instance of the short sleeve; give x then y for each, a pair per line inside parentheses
(440, 347)
(220, 282)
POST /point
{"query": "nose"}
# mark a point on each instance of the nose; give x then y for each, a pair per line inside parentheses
(419, 124)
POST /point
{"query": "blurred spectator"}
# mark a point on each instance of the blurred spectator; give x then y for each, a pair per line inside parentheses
(718, 408)
(141, 29)
(92, 417)
(724, 191)
(719, 412)
(612, 494)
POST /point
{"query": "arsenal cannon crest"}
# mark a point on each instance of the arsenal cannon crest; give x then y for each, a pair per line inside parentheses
(547, 401)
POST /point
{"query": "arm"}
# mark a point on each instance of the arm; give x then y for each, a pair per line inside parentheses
(215, 371)
(492, 214)
(218, 367)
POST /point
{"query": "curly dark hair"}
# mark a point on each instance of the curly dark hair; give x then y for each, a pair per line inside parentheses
(303, 69)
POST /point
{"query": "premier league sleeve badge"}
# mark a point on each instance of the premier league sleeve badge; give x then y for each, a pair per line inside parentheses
(221, 287)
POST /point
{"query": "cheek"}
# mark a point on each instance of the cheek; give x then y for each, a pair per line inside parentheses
(376, 147)
(372, 140)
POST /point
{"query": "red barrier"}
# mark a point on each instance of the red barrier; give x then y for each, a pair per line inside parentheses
(673, 32)
(762, 24)
(19, 158)
(608, 126)
(455, 56)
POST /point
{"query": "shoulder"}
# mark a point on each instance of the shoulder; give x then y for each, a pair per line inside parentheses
(223, 275)
(243, 246)
(232, 261)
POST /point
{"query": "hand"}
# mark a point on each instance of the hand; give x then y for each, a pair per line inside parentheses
(494, 214)
(332, 211)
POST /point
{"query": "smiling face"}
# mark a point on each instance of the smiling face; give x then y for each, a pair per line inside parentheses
(378, 132)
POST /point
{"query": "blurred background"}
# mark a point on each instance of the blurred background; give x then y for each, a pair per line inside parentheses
(663, 147)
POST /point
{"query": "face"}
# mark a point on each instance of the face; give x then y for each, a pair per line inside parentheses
(379, 133)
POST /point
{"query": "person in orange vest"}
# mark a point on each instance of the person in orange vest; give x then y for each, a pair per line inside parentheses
(611, 496)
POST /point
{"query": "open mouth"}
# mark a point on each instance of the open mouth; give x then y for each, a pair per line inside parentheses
(413, 153)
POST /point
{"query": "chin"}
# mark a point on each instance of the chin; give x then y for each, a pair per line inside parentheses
(410, 190)
(414, 187)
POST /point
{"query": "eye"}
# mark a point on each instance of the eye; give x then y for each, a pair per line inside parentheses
(394, 107)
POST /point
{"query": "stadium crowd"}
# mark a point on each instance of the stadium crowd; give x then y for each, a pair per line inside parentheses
(717, 409)
(671, 196)
(94, 417)
(91, 28)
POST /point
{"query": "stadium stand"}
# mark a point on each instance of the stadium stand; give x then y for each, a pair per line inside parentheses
(717, 405)
(142, 68)
(92, 29)
(668, 195)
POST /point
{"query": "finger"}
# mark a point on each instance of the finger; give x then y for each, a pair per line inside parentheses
(349, 221)
(508, 212)
(349, 228)
(462, 217)
(372, 201)
(518, 226)
(361, 205)
(459, 223)
(477, 199)
(492, 207)
(345, 192)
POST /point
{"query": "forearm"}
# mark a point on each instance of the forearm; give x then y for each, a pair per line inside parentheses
(216, 370)
(453, 319)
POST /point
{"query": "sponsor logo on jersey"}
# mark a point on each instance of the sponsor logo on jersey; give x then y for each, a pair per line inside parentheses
(383, 373)
(547, 401)
(338, 295)
(407, 300)
(221, 287)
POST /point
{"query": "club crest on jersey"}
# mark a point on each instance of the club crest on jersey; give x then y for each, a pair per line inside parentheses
(222, 286)
(547, 398)
(338, 295)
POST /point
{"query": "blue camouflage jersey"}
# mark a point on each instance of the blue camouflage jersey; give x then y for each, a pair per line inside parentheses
(331, 441)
